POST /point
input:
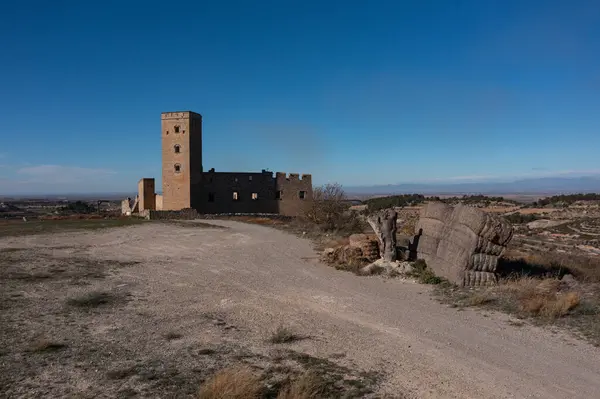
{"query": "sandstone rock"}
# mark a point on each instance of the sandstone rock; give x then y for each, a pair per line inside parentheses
(461, 243)
(384, 225)
(381, 266)
(368, 246)
(569, 280)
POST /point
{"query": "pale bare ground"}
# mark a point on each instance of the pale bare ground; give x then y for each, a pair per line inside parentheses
(256, 278)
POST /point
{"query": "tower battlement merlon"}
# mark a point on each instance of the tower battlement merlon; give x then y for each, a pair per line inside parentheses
(283, 176)
(179, 115)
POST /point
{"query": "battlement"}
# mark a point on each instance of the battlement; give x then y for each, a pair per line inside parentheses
(179, 115)
(186, 184)
(283, 176)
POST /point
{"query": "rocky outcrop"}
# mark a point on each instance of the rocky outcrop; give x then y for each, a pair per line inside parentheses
(384, 225)
(368, 246)
(461, 243)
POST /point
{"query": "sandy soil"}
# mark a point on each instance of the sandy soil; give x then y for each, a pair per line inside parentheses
(229, 288)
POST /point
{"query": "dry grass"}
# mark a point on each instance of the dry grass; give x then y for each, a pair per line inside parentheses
(93, 299)
(551, 264)
(480, 299)
(308, 386)
(171, 335)
(232, 383)
(541, 301)
(45, 345)
(284, 335)
(543, 298)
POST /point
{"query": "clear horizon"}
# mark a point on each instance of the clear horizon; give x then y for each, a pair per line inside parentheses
(362, 95)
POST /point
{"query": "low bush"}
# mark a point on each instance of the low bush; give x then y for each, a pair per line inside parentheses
(232, 383)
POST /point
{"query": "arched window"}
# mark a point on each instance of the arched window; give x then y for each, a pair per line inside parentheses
(176, 129)
(177, 148)
(177, 168)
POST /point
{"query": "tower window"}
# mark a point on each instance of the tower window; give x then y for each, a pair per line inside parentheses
(211, 197)
(254, 196)
(177, 168)
(176, 129)
(249, 178)
(177, 148)
(302, 194)
(235, 179)
(235, 196)
(279, 194)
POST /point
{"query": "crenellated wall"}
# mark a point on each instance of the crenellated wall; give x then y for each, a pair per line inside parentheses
(295, 193)
(186, 185)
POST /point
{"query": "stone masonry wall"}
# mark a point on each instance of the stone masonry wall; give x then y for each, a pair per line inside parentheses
(295, 193)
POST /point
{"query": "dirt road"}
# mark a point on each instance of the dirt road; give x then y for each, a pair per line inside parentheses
(258, 278)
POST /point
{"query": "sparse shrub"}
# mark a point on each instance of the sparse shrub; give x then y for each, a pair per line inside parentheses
(542, 298)
(423, 274)
(519, 218)
(480, 299)
(92, 299)
(550, 264)
(330, 210)
(44, 345)
(171, 335)
(419, 265)
(308, 386)
(284, 335)
(232, 383)
(428, 277)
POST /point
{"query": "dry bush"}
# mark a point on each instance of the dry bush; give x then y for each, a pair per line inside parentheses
(330, 211)
(284, 335)
(307, 386)
(93, 299)
(480, 298)
(551, 264)
(232, 383)
(44, 345)
(543, 298)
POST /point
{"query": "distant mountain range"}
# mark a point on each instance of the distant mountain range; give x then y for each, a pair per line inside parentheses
(542, 185)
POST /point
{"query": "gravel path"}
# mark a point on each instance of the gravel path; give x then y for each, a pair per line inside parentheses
(261, 278)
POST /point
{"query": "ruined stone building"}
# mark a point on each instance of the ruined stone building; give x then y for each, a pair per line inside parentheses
(186, 184)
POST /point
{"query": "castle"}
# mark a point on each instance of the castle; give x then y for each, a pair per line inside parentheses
(186, 185)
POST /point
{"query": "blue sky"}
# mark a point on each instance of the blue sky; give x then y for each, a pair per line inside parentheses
(354, 92)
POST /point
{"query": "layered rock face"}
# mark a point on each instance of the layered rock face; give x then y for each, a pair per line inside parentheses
(461, 243)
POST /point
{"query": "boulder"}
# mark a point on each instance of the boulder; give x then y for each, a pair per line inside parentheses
(461, 243)
(381, 266)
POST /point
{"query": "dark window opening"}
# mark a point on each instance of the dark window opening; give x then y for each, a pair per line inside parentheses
(167, 132)
(177, 148)
(176, 129)
(235, 196)
(302, 194)
(278, 195)
(254, 196)
(211, 197)
(177, 168)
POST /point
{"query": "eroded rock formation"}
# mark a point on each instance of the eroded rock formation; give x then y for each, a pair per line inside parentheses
(384, 225)
(461, 243)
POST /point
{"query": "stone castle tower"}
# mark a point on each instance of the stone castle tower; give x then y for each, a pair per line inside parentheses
(181, 157)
